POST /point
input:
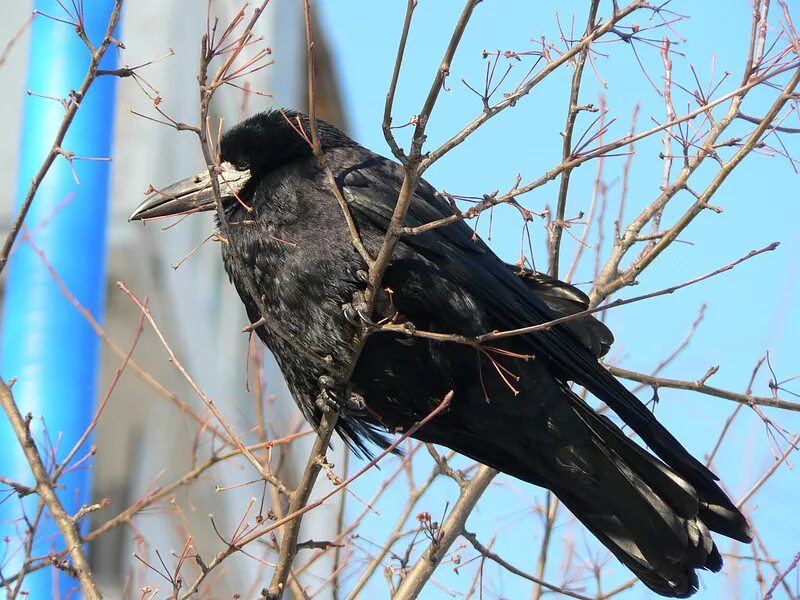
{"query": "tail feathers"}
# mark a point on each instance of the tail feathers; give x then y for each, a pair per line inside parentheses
(703, 498)
(648, 516)
(673, 576)
(361, 436)
(720, 515)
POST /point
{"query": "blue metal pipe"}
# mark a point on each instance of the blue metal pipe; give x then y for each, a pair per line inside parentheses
(45, 343)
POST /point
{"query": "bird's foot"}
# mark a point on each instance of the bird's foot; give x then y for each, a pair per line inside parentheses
(409, 340)
(357, 312)
(339, 398)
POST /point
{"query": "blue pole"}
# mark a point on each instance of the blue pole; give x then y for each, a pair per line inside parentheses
(45, 343)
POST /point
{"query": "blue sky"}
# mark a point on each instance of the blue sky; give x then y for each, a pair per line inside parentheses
(749, 310)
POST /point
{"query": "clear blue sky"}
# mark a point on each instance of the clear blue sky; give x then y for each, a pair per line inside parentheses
(749, 309)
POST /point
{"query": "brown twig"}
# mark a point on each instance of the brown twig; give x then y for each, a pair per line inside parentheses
(669, 290)
(231, 549)
(133, 366)
(397, 532)
(781, 459)
(355, 523)
(550, 513)
(611, 278)
(413, 164)
(732, 416)
(355, 237)
(237, 442)
(72, 109)
(44, 488)
(338, 562)
(483, 550)
(298, 501)
(416, 578)
(387, 109)
(15, 38)
(701, 387)
(158, 493)
(634, 230)
(531, 329)
(599, 193)
(127, 515)
(511, 99)
(779, 578)
(103, 402)
(573, 110)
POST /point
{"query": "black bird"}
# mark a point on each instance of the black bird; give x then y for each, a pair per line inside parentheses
(289, 250)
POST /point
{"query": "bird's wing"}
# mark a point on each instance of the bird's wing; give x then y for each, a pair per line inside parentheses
(371, 186)
(564, 300)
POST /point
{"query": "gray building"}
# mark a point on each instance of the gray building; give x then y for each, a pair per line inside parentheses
(142, 439)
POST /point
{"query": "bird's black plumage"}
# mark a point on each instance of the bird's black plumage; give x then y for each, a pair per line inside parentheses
(514, 409)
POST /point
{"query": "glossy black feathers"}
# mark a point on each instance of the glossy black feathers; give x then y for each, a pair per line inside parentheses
(653, 513)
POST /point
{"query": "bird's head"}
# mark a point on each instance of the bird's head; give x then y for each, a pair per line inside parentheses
(247, 152)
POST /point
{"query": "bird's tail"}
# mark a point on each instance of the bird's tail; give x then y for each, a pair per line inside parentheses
(649, 517)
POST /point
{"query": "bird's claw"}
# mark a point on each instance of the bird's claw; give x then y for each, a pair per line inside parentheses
(350, 314)
(357, 312)
(334, 397)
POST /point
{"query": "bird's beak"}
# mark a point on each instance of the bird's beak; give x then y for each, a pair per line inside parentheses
(193, 194)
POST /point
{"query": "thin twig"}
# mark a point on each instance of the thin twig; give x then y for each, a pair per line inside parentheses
(237, 442)
(701, 387)
(127, 515)
(398, 62)
(133, 366)
(413, 164)
(297, 501)
(44, 488)
(573, 110)
(355, 237)
(231, 549)
(551, 511)
(757, 485)
(511, 99)
(611, 278)
(472, 539)
(669, 290)
(396, 534)
(605, 150)
(416, 578)
(72, 109)
(779, 578)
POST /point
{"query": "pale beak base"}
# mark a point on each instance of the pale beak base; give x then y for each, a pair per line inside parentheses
(193, 194)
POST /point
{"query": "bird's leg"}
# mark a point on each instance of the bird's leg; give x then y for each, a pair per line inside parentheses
(357, 311)
(341, 398)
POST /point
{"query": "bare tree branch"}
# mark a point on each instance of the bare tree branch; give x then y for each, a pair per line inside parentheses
(44, 487)
(72, 106)
(701, 387)
(573, 110)
(415, 580)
